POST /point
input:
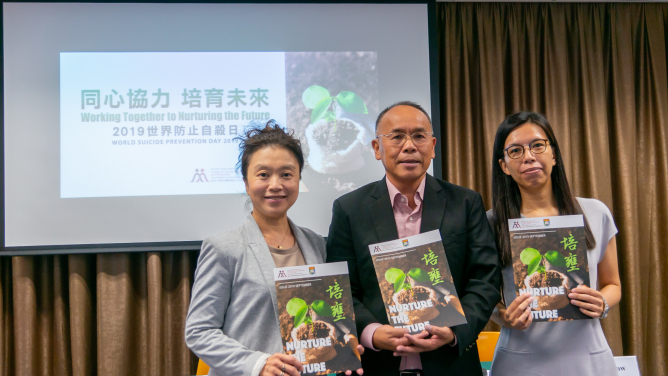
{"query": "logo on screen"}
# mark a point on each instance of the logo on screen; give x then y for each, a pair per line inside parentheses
(311, 269)
(199, 177)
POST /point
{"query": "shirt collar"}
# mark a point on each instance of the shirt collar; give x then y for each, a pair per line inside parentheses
(394, 191)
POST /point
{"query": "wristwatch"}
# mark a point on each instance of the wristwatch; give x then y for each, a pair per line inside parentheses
(606, 309)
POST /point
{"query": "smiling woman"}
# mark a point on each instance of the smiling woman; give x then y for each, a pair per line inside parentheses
(232, 319)
(273, 185)
(271, 163)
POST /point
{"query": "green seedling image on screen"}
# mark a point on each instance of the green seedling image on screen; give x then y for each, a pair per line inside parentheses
(318, 99)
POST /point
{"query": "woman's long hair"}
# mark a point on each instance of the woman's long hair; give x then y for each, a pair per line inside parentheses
(506, 197)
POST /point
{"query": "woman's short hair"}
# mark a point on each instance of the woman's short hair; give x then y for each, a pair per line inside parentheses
(506, 198)
(260, 135)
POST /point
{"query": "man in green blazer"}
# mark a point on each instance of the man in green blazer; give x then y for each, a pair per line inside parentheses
(408, 201)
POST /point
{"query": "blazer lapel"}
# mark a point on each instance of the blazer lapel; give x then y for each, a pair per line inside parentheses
(433, 206)
(310, 256)
(382, 214)
(259, 248)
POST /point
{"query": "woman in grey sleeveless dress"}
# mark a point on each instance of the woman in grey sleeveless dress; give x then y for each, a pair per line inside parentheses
(529, 180)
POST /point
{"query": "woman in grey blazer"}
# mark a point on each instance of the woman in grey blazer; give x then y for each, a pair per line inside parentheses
(232, 322)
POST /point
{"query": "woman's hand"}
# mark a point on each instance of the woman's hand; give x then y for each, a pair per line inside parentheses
(282, 365)
(518, 314)
(360, 371)
(589, 300)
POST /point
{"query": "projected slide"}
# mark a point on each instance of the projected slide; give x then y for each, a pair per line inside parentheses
(148, 124)
(126, 135)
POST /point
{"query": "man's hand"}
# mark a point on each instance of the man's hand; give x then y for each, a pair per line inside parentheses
(388, 338)
(431, 338)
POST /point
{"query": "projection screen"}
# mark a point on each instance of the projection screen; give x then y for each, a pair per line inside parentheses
(120, 120)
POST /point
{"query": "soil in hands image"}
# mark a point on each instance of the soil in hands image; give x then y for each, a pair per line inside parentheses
(415, 295)
(319, 329)
(316, 330)
(337, 136)
(550, 279)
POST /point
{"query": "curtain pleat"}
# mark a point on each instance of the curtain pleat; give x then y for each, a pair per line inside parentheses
(599, 74)
(622, 137)
(61, 347)
(652, 118)
(105, 314)
(7, 365)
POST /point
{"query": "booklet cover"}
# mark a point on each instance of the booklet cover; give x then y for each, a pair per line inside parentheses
(416, 282)
(316, 315)
(550, 259)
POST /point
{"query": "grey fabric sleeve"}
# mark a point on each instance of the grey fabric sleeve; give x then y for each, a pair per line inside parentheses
(210, 299)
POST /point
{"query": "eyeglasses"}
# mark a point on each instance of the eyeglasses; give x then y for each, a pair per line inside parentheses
(398, 138)
(536, 146)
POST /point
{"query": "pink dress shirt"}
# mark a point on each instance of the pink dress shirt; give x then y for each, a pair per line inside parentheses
(408, 224)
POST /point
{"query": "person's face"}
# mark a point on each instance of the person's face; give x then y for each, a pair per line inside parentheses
(272, 181)
(407, 162)
(531, 170)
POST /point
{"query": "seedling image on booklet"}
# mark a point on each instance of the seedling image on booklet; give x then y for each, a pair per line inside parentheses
(316, 315)
(550, 259)
(416, 282)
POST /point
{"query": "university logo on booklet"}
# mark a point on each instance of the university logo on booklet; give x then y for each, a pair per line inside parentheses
(377, 249)
(516, 225)
(405, 242)
(311, 269)
(281, 274)
(546, 221)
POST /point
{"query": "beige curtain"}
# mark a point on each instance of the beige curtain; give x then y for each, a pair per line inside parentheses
(106, 314)
(599, 74)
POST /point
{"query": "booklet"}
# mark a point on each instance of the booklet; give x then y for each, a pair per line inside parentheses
(316, 316)
(416, 282)
(550, 259)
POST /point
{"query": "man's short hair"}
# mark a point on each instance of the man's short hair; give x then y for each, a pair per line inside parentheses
(402, 103)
